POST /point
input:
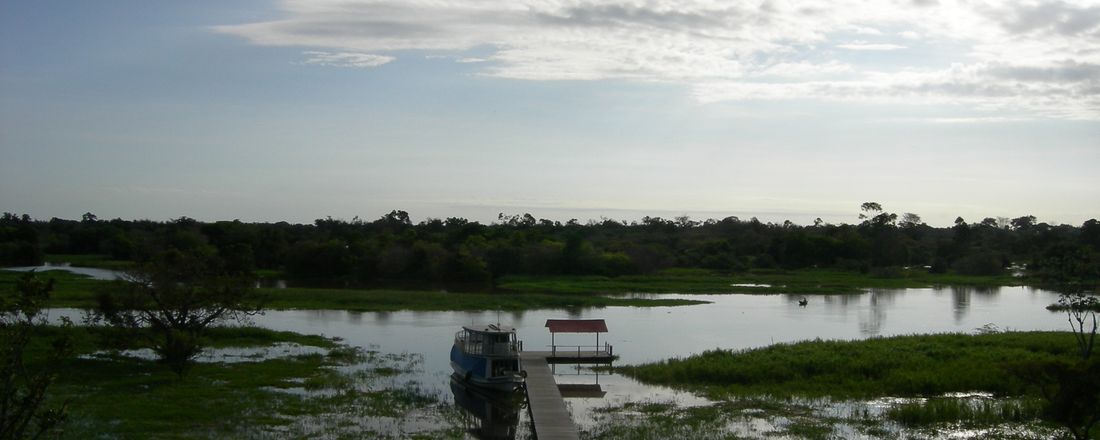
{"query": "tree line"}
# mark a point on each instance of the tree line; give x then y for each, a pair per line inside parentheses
(456, 251)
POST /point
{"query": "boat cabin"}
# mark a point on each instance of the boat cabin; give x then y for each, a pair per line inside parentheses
(488, 340)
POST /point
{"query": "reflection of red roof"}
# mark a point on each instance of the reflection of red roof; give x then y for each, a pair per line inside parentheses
(576, 325)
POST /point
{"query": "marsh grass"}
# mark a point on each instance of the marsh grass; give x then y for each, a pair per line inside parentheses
(927, 365)
(69, 290)
(733, 419)
(805, 281)
(969, 412)
(72, 290)
(395, 300)
(90, 260)
(525, 293)
(123, 397)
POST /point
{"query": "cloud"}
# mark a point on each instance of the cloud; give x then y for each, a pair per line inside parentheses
(1052, 17)
(870, 46)
(1038, 56)
(345, 59)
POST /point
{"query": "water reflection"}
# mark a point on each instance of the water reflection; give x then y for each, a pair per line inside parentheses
(960, 298)
(486, 414)
(874, 317)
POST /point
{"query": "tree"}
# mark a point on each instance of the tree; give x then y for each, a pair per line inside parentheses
(23, 385)
(1081, 310)
(170, 302)
(1071, 392)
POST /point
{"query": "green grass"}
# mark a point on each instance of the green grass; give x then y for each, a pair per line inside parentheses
(664, 420)
(90, 260)
(919, 365)
(971, 413)
(806, 281)
(126, 398)
(393, 300)
(71, 290)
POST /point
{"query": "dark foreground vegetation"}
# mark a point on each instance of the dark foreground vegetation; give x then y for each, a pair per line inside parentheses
(460, 254)
(1036, 376)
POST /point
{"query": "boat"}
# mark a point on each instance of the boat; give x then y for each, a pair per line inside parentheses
(488, 357)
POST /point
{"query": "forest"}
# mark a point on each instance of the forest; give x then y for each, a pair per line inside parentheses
(455, 252)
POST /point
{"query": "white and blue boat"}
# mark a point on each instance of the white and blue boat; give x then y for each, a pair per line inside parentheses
(488, 357)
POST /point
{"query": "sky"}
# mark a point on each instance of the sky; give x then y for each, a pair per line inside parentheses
(295, 110)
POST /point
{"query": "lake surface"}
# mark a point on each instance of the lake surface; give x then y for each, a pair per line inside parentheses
(648, 334)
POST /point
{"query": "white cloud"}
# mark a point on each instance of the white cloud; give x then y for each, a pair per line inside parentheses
(1034, 56)
(870, 46)
(345, 59)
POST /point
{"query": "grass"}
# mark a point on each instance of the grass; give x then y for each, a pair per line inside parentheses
(127, 398)
(72, 290)
(722, 420)
(524, 293)
(806, 281)
(819, 389)
(968, 412)
(393, 300)
(90, 260)
(920, 365)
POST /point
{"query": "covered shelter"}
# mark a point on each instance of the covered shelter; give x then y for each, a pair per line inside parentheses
(595, 326)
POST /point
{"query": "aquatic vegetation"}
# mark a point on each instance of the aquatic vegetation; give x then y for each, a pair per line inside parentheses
(901, 366)
(327, 390)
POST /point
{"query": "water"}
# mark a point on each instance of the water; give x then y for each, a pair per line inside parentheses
(648, 334)
(93, 273)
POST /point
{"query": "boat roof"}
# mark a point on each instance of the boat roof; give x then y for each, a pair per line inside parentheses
(576, 325)
(489, 328)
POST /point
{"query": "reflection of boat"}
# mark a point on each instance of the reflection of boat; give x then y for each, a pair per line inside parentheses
(488, 356)
(495, 413)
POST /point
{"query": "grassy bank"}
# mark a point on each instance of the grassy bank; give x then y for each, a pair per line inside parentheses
(90, 260)
(323, 391)
(897, 366)
(807, 282)
(72, 290)
(393, 300)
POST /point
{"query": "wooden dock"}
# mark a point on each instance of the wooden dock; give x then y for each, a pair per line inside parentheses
(549, 416)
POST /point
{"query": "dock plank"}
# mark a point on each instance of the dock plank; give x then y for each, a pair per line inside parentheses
(548, 412)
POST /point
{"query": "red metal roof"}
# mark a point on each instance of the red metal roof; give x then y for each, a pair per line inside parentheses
(576, 325)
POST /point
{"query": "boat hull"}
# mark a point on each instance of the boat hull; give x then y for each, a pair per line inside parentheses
(471, 370)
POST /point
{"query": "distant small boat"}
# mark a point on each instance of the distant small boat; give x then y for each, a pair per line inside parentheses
(488, 357)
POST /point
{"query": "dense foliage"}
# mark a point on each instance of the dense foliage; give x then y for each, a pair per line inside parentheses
(454, 251)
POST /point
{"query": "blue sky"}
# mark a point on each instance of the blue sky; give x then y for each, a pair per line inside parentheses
(296, 110)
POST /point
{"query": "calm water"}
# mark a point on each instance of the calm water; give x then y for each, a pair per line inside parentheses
(646, 334)
(93, 273)
(650, 334)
